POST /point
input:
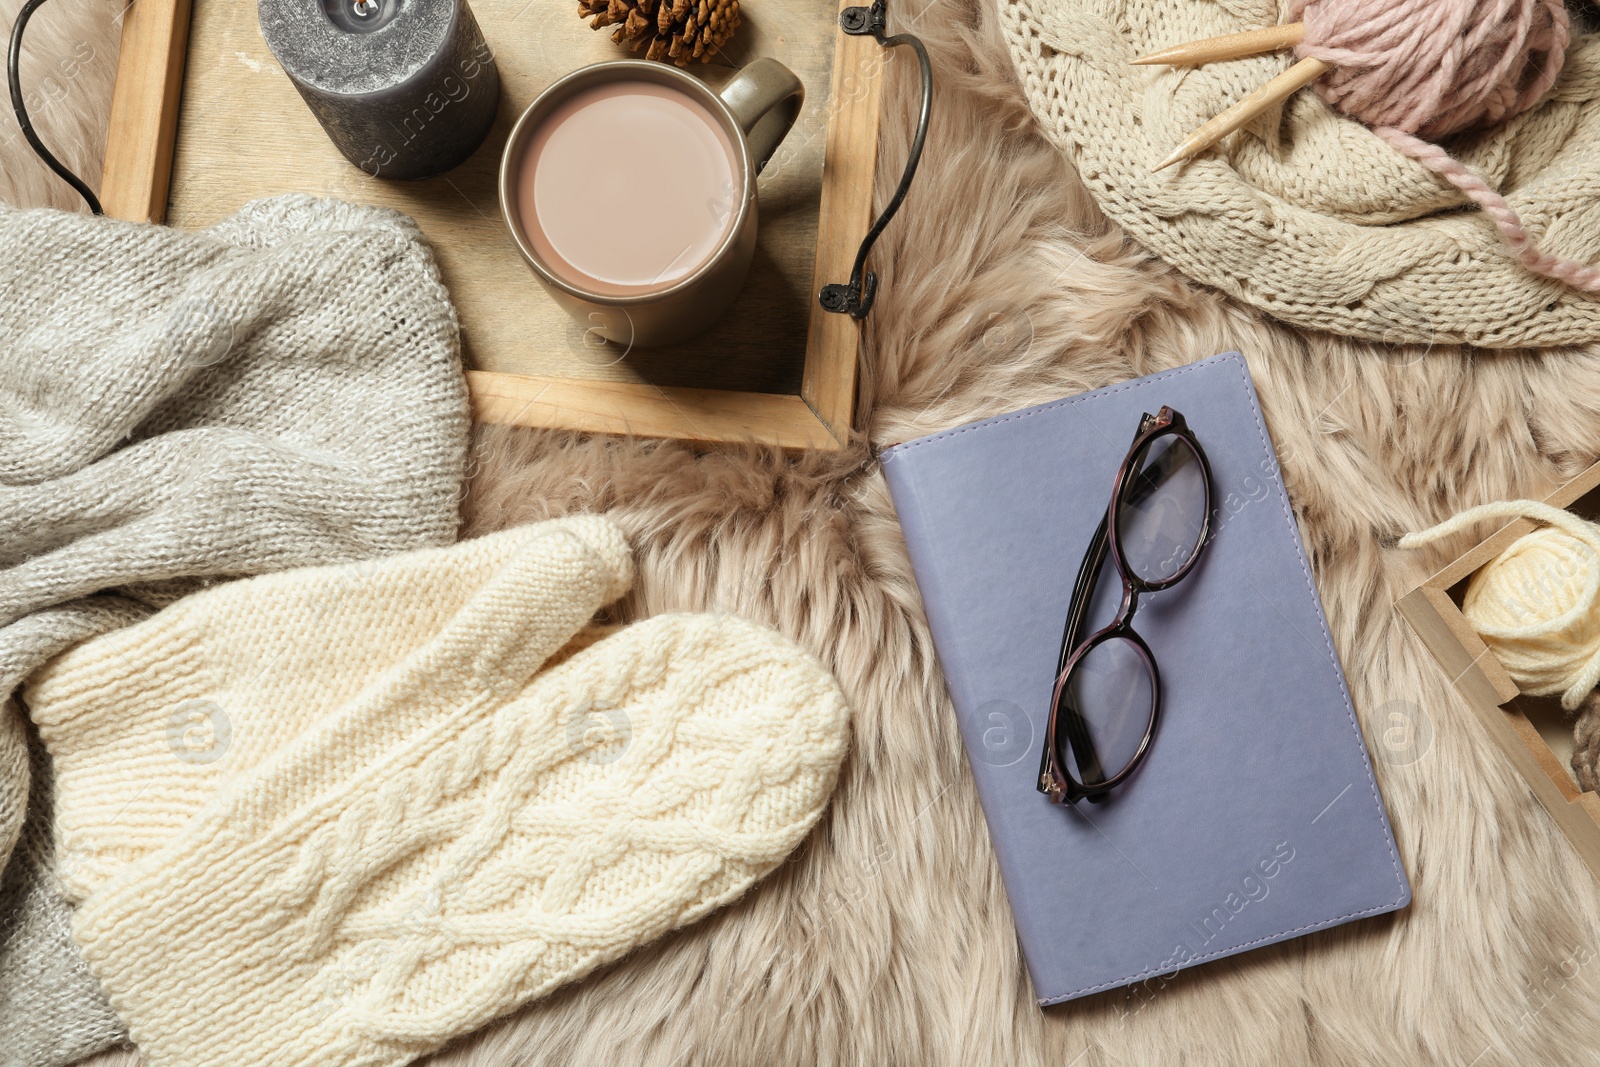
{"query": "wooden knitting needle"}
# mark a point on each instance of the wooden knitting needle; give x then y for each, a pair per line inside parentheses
(1274, 92)
(1229, 46)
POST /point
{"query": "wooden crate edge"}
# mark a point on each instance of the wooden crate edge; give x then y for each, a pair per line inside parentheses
(1458, 650)
(1576, 814)
(1486, 687)
(1563, 496)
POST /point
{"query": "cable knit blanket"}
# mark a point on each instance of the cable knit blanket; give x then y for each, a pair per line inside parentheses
(1307, 214)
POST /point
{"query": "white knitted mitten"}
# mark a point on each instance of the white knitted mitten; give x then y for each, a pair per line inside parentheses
(458, 837)
(146, 724)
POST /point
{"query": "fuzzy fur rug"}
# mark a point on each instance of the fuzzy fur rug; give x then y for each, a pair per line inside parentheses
(887, 938)
(69, 61)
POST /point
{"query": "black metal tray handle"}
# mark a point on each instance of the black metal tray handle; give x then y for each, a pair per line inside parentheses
(855, 297)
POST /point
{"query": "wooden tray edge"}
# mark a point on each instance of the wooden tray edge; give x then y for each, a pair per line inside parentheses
(145, 100)
(855, 104)
(631, 409)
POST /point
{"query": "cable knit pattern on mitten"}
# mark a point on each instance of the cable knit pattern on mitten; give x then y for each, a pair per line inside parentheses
(147, 723)
(462, 835)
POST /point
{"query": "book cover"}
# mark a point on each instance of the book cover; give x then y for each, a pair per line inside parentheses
(1255, 816)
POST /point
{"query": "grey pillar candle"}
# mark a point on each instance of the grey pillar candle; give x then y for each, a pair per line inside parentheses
(405, 88)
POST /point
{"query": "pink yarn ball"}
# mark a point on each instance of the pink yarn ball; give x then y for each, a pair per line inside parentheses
(1435, 67)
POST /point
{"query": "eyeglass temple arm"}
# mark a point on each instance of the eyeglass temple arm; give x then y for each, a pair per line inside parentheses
(1083, 593)
(1083, 750)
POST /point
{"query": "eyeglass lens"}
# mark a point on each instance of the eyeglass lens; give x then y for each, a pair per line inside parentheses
(1162, 511)
(1107, 704)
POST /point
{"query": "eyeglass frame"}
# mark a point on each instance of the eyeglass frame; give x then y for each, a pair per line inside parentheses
(1054, 780)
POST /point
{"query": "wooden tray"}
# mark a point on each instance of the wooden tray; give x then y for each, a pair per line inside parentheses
(204, 120)
(1511, 719)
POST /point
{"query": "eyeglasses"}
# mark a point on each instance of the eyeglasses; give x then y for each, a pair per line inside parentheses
(1107, 696)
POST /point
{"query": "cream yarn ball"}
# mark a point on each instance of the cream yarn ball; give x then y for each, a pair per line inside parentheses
(1535, 604)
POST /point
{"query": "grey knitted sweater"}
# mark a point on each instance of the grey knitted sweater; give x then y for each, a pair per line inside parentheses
(283, 389)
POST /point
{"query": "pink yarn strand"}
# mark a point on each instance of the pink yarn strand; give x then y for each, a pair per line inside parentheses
(1505, 218)
(1418, 70)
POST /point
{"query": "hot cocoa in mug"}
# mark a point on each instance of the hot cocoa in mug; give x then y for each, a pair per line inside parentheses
(630, 188)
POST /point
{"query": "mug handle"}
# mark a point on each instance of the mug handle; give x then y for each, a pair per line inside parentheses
(765, 98)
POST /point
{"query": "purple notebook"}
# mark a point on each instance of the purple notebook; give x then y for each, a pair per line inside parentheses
(1255, 816)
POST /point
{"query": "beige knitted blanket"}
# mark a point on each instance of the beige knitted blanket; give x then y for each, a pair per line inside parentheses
(1306, 214)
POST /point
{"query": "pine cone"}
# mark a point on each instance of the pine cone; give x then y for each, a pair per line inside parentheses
(679, 30)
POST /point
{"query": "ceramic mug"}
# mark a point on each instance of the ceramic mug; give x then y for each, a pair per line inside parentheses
(754, 112)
